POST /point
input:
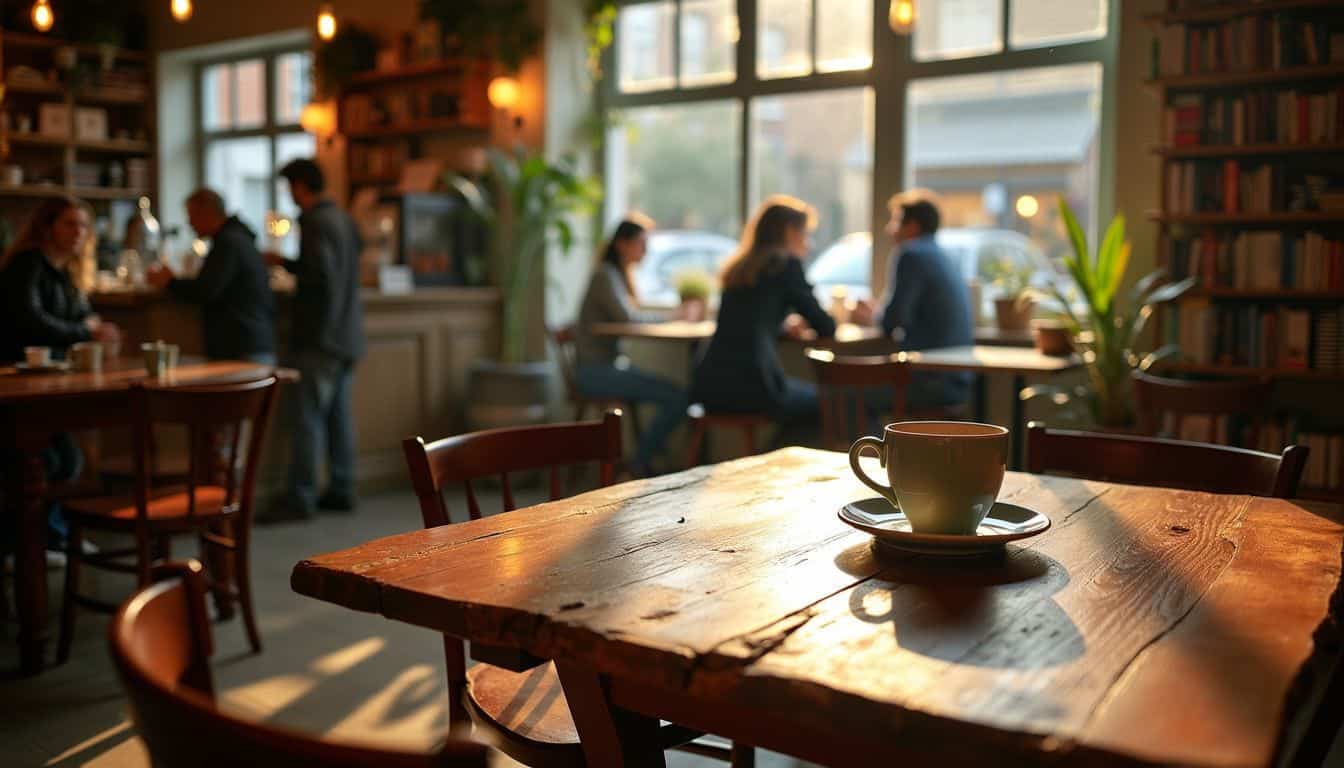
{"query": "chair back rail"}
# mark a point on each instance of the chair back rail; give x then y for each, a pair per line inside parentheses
(160, 642)
(1162, 462)
(843, 383)
(563, 338)
(1160, 398)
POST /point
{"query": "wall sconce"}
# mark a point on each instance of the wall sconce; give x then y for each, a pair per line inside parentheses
(504, 93)
(319, 119)
(181, 9)
(901, 16)
(42, 16)
(326, 23)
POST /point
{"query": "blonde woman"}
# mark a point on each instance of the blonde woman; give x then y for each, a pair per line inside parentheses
(45, 277)
(763, 286)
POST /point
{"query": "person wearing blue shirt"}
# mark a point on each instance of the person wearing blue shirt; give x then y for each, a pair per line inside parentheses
(928, 304)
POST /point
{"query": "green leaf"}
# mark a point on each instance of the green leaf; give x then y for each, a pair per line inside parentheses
(1083, 270)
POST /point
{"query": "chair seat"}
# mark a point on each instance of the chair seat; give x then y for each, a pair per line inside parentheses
(167, 507)
(527, 707)
(171, 468)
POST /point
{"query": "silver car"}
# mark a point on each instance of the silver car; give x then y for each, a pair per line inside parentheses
(673, 253)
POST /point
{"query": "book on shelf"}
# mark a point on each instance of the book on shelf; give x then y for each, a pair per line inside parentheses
(1258, 116)
(1260, 260)
(1248, 44)
(1325, 451)
(1235, 186)
(1258, 336)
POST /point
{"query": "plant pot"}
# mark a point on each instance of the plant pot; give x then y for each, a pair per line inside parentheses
(694, 309)
(1052, 338)
(1013, 314)
(506, 394)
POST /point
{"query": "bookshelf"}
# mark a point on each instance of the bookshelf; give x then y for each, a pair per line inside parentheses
(1251, 203)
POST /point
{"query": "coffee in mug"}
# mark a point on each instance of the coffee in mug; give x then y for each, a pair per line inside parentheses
(87, 356)
(37, 357)
(944, 475)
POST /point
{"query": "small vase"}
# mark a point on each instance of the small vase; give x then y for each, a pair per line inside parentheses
(693, 309)
(1013, 314)
(107, 56)
(1052, 338)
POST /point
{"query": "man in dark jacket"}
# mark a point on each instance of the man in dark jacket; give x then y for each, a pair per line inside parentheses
(328, 340)
(237, 308)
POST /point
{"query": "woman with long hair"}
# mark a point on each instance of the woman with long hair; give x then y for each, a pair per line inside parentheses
(45, 277)
(601, 372)
(763, 287)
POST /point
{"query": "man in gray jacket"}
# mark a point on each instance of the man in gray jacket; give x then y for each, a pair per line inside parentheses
(328, 339)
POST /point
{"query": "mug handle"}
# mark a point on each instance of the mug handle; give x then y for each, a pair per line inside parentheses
(855, 451)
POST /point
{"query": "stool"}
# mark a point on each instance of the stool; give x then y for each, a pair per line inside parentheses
(702, 421)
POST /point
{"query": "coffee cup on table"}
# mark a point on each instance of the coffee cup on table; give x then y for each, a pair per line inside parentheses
(87, 356)
(156, 357)
(37, 357)
(944, 475)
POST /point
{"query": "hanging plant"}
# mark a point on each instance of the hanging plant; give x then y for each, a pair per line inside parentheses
(502, 30)
(599, 28)
(353, 50)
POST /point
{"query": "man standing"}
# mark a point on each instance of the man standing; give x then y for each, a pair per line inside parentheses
(237, 308)
(928, 305)
(328, 340)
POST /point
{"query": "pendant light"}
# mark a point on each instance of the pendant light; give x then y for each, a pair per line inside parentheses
(42, 15)
(181, 9)
(901, 16)
(326, 23)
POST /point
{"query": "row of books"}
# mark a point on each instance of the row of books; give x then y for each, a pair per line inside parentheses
(1249, 43)
(1258, 336)
(1232, 186)
(1263, 116)
(1325, 456)
(1260, 260)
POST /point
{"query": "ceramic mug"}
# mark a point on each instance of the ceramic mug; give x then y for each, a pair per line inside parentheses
(37, 357)
(87, 356)
(944, 475)
(156, 354)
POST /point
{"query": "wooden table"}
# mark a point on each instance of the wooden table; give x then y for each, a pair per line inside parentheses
(34, 407)
(1147, 626)
(845, 333)
(983, 361)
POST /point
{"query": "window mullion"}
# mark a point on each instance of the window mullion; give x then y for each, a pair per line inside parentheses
(676, 43)
(1004, 17)
(812, 35)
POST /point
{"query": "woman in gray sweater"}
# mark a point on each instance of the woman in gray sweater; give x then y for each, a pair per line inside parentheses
(601, 371)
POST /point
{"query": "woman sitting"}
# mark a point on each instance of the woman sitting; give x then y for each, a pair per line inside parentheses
(763, 284)
(601, 372)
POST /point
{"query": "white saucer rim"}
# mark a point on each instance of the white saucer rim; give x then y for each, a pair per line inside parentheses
(948, 540)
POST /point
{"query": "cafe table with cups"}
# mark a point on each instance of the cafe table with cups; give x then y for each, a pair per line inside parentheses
(910, 603)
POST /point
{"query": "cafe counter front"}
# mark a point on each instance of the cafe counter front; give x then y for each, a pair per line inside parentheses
(412, 380)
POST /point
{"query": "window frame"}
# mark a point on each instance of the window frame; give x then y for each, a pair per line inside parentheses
(270, 129)
(893, 69)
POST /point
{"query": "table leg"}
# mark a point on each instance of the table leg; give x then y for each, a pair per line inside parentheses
(981, 412)
(1019, 428)
(27, 497)
(611, 736)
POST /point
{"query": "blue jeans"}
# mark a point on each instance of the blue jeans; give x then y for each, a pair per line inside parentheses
(797, 414)
(633, 385)
(324, 418)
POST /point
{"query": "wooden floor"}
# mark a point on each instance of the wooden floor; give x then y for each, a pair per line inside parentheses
(323, 669)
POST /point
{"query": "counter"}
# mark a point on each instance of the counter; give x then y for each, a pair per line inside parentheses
(412, 380)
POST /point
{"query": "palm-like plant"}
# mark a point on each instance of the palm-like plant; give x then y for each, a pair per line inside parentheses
(532, 202)
(1111, 328)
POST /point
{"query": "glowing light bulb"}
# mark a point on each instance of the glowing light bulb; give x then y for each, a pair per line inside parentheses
(326, 22)
(181, 9)
(901, 16)
(503, 93)
(43, 18)
(1028, 206)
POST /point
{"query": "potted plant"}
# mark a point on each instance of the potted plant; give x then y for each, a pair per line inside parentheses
(503, 30)
(693, 288)
(1016, 301)
(526, 202)
(353, 50)
(1109, 328)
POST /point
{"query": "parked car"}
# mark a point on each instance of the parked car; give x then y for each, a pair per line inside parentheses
(847, 263)
(674, 252)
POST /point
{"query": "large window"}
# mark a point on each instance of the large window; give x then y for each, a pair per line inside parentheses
(995, 105)
(249, 128)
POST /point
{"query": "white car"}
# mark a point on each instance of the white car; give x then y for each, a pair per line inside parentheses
(673, 253)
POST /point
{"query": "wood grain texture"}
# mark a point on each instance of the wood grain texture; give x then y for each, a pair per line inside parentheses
(1147, 625)
(991, 359)
(119, 375)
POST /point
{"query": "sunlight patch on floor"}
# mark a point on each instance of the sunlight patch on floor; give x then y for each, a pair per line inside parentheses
(410, 712)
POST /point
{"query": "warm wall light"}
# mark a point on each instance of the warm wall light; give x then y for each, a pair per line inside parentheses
(318, 118)
(1027, 206)
(181, 9)
(503, 93)
(43, 18)
(901, 16)
(326, 22)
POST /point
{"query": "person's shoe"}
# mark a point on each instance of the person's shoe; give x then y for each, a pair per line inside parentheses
(284, 512)
(336, 502)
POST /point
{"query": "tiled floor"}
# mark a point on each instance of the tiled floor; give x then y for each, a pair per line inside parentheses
(324, 669)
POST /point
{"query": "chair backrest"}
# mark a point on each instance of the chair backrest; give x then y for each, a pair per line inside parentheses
(563, 339)
(1161, 399)
(160, 643)
(842, 385)
(217, 418)
(462, 459)
(1162, 462)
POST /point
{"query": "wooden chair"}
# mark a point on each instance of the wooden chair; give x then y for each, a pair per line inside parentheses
(843, 382)
(215, 504)
(1161, 462)
(745, 424)
(1161, 399)
(524, 715)
(562, 338)
(161, 644)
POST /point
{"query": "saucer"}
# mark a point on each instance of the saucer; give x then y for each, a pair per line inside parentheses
(55, 366)
(1004, 523)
